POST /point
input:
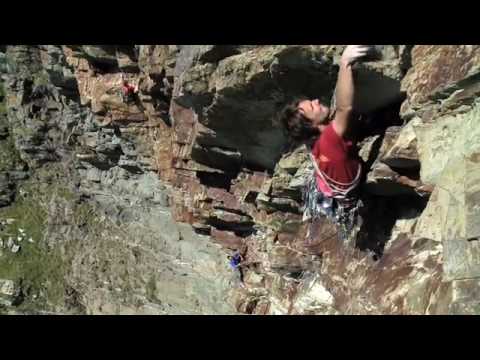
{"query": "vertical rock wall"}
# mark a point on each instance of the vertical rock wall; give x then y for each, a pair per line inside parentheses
(200, 145)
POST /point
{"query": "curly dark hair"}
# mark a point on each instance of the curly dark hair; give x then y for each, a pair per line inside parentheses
(297, 127)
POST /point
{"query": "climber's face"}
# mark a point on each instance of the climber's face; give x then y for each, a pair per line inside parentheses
(314, 111)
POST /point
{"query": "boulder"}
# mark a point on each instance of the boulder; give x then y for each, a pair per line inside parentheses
(9, 292)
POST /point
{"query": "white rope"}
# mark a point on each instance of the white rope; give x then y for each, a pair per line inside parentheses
(338, 192)
(343, 184)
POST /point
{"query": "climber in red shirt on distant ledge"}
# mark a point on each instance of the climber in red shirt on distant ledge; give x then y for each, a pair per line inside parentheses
(128, 91)
(337, 168)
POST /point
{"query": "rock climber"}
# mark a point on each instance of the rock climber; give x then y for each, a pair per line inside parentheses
(235, 262)
(128, 92)
(332, 190)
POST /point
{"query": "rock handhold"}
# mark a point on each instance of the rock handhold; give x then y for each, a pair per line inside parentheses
(383, 180)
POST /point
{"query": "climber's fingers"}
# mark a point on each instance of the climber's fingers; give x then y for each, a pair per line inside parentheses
(353, 52)
(359, 51)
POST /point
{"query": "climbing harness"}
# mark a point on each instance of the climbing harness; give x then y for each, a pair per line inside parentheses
(325, 197)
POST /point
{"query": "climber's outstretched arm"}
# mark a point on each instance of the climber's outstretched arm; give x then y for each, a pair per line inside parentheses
(345, 87)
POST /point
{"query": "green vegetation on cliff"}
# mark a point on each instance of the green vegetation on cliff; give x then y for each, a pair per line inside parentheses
(38, 269)
(40, 265)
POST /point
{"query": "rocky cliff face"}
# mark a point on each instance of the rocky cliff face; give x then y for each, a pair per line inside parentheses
(113, 207)
(89, 228)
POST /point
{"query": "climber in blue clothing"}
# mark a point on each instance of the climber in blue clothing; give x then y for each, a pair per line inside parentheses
(235, 262)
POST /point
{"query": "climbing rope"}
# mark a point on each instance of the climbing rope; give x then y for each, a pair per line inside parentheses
(334, 186)
(340, 211)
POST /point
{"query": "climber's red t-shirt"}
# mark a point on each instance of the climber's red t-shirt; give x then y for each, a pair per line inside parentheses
(128, 89)
(336, 156)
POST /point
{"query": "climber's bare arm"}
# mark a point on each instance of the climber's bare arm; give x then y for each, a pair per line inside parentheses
(345, 87)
